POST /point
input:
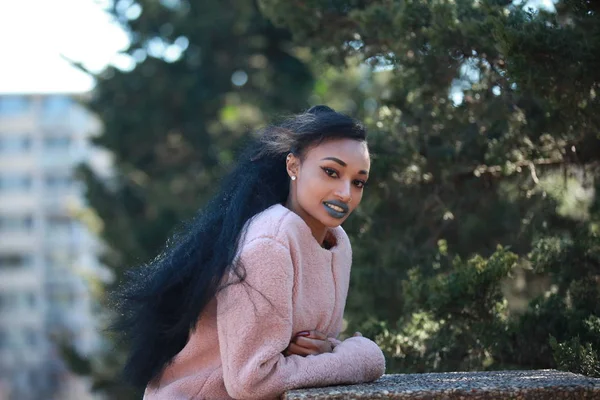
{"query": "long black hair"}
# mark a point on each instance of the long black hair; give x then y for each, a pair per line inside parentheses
(159, 303)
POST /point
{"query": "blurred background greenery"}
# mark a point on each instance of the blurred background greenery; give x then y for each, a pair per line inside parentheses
(477, 243)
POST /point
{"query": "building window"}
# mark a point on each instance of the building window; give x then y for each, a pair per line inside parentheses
(31, 337)
(15, 261)
(58, 182)
(59, 225)
(15, 144)
(56, 105)
(12, 223)
(7, 301)
(15, 182)
(60, 295)
(30, 299)
(17, 301)
(59, 260)
(57, 143)
(14, 105)
(54, 262)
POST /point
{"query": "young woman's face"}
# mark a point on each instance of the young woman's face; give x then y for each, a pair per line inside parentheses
(329, 181)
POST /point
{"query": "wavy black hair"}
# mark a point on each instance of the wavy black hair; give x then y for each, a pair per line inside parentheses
(159, 303)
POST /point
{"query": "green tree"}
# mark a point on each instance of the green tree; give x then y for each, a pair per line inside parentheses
(206, 73)
(484, 134)
(173, 126)
(487, 125)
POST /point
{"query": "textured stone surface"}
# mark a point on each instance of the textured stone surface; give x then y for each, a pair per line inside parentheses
(517, 385)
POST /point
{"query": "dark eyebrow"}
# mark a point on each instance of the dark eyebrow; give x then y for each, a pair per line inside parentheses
(343, 164)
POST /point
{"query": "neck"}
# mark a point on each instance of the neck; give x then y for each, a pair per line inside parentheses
(319, 231)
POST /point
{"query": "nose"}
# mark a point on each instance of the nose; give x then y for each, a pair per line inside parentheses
(343, 192)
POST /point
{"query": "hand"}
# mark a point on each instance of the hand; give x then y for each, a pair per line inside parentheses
(309, 343)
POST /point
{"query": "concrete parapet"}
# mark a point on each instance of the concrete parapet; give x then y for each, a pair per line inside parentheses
(516, 385)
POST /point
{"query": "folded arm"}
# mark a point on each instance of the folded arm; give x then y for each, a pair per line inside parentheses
(255, 326)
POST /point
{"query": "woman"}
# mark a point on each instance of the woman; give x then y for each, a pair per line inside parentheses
(246, 301)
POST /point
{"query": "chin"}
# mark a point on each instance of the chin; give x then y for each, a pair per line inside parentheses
(331, 222)
(332, 225)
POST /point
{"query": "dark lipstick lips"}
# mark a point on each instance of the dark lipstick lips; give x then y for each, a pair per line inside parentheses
(335, 213)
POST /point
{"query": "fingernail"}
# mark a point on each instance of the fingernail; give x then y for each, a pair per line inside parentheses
(303, 333)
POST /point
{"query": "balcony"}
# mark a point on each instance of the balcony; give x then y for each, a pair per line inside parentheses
(21, 200)
(22, 277)
(56, 159)
(19, 241)
(20, 162)
(21, 316)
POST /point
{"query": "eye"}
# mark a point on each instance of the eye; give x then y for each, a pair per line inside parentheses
(360, 184)
(330, 172)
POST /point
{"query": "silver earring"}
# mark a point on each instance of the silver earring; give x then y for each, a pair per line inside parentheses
(293, 178)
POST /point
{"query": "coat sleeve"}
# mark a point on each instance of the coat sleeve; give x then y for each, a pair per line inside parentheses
(254, 321)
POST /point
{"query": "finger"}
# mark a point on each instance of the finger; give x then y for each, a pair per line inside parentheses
(321, 346)
(314, 334)
(287, 352)
(357, 334)
(307, 342)
(301, 351)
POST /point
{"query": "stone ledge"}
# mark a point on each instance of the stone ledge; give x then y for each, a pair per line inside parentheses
(517, 385)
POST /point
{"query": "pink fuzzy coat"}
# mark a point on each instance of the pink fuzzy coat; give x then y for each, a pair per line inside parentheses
(293, 285)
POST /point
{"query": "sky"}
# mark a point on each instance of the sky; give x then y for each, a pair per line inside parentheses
(36, 34)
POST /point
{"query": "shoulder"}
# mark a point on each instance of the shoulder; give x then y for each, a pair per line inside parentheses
(277, 224)
(264, 246)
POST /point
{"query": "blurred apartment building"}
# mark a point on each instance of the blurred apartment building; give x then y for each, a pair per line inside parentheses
(46, 253)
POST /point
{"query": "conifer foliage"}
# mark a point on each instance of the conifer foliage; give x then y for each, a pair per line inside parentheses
(477, 245)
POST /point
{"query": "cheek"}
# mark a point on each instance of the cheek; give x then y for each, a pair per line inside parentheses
(312, 191)
(356, 198)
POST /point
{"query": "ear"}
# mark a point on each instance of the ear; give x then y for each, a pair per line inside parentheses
(292, 165)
